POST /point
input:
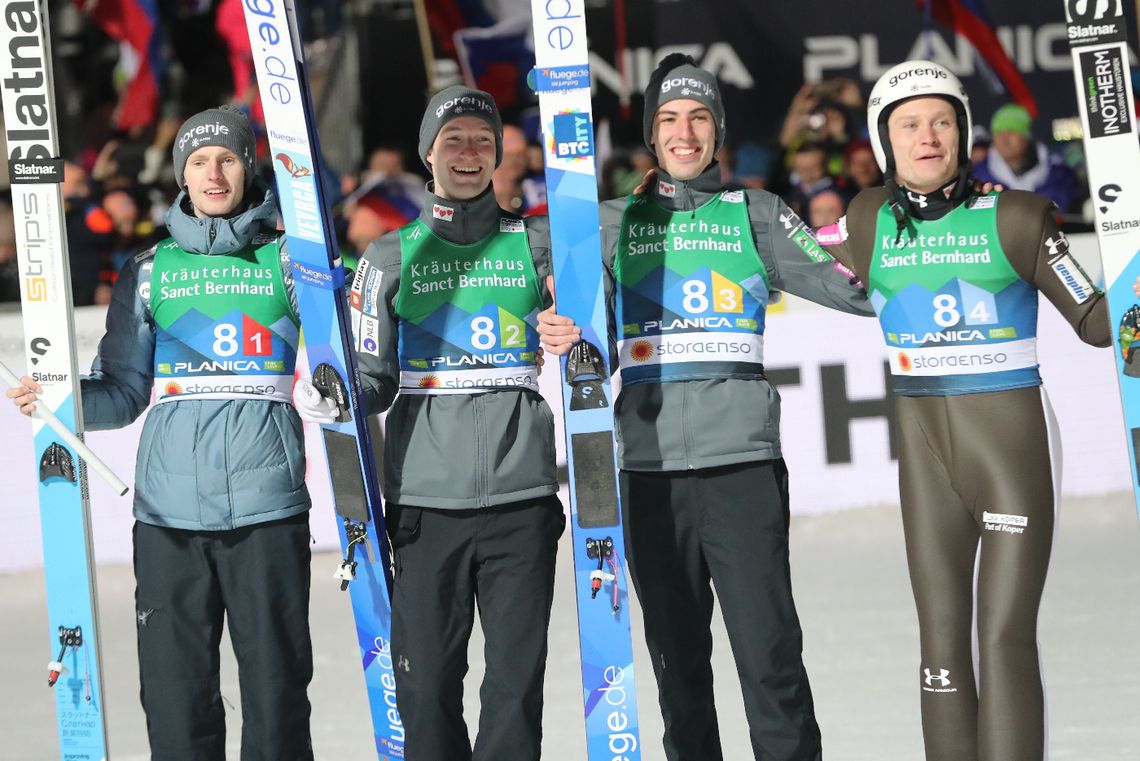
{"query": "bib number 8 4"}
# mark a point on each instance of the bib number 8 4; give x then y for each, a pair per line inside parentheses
(947, 314)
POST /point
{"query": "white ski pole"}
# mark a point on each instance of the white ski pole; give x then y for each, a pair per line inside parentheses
(43, 413)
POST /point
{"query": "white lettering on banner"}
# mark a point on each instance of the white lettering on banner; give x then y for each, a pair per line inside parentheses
(1040, 48)
(719, 58)
(965, 360)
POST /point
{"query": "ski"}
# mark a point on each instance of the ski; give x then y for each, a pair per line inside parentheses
(36, 171)
(322, 298)
(1098, 39)
(562, 80)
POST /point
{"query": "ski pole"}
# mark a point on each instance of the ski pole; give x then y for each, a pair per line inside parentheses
(43, 413)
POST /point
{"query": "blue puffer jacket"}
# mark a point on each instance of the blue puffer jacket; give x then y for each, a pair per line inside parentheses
(206, 465)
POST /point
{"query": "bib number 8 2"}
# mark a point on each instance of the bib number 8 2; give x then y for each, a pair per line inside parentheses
(483, 335)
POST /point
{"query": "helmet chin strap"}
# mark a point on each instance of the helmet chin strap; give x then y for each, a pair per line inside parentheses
(906, 204)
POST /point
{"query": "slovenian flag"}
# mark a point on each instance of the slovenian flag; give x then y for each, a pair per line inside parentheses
(497, 59)
(969, 19)
(134, 24)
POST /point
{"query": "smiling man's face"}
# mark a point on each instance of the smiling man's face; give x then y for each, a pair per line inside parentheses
(684, 137)
(462, 158)
(924, 138)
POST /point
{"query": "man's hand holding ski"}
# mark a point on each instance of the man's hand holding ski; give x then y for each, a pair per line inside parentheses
(311, 404)
(558, 333)
(24, 397)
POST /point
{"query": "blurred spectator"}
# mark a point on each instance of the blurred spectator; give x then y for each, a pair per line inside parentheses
(119, 164)
(534, 183)
(981, 147)
(534, 159)
(386, 162)
(1018, 162)
(507, 178)
(383, 206)
(623, 172)
(90, 236)
(751, 164)
(822, 113)
(9, 269)
(131, 232)
(860, 169)
(809, 176)
(825, 208)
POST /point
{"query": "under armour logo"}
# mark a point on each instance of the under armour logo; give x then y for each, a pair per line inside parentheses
(787, 220)
(403, 664)
(943, 678)
(917, 199)
(144, 616)
(1058, 245)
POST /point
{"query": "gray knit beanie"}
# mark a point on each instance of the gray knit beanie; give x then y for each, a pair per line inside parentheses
(453, 102)
(225, 126)
(678, 77)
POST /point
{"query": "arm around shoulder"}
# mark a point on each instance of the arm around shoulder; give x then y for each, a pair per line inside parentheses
(796, 262)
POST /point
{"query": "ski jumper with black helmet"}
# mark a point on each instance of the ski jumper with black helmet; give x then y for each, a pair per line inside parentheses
(954, 278)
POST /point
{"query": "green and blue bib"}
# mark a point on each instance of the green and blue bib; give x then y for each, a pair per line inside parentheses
(224, 326)
(956, 316)
(691, 292)
(467, 313)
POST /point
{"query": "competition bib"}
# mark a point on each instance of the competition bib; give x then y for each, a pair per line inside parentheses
(225, 328)
(691, 292)
(467, 313)
(956, 316)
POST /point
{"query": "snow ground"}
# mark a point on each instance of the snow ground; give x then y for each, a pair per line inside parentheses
(860, 647)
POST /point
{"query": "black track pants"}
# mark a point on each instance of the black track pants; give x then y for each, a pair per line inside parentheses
(501, 559)
(188, 584)
(728, 525)
(977, 483)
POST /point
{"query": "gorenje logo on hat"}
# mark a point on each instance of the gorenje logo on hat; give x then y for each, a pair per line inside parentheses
(201, 133)
(922, 71)
(457, 105)
(689, 84)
